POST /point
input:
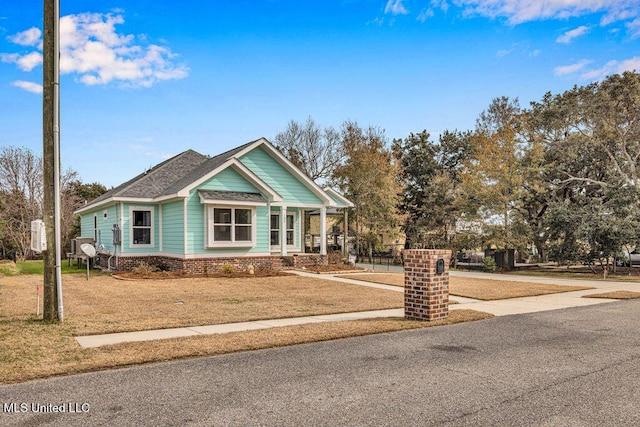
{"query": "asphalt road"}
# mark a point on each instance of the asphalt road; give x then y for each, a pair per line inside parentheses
(572, 367)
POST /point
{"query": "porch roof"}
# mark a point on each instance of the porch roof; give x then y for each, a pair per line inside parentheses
(211, 196)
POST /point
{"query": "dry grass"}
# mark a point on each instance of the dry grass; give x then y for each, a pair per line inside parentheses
(104, 304)
(48, 350)
(34, 349)
(332, 268)
(615, 295)
(482, 289)
(394, 279)
(8, 268)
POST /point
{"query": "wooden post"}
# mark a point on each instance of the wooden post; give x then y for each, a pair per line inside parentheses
(50, 293)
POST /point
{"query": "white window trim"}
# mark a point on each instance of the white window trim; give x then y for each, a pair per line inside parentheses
(295, 235)
(152, 240)
(210, 243)
(95, 228)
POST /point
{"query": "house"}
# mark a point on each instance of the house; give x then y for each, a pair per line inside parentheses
(245, 207)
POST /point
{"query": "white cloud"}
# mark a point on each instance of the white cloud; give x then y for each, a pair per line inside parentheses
(30, 37)
(572, 34)
(9, 57)
(430, 11)
(599, 73)
(613, 67)
(92, 49)
(29, 61)
(425, 14)
(442, 4)
(634, 28)
(395, 7)
(620, 13)
(25, 62)
(572, 68)
(632, 64)
(519, 11)
(377, 21)
(28, 86)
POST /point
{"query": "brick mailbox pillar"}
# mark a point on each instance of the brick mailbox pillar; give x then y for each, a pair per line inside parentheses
(426, 284)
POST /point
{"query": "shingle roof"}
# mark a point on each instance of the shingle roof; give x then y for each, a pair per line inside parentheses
(203, 169)
(231, 196)
(170, 176)
(152, 183)
(178, 173)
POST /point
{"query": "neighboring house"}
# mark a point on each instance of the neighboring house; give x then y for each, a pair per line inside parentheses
(245, 207)
(391, 242)
(335, 221)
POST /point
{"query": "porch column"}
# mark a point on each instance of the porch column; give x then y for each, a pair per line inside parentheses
(268, 225)
(345, 234)
(323, 231)
(303, 230)
(283, 231)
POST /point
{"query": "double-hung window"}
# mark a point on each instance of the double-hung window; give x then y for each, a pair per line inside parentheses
(141, 228)
(275, 229)
(230, 226)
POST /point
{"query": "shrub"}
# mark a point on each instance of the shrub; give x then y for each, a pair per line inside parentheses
(489, 264)
(144, 268)
(227, 269)
(335, 258)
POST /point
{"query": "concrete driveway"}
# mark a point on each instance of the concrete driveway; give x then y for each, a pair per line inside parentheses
(568, 367)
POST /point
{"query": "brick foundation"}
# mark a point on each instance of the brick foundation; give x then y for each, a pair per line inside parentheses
(212, 265)
(426, 294)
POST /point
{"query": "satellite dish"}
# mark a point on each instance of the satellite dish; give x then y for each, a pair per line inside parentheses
(88, 249)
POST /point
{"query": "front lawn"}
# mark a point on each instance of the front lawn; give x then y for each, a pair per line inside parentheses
(482, 289)
(9, 268)
(33, 349)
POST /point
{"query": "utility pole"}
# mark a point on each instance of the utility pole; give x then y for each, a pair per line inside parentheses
(51, 161)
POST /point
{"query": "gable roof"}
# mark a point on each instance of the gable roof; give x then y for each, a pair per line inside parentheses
(339, 199)
(153, 182)
(202, 169)
(186, 170)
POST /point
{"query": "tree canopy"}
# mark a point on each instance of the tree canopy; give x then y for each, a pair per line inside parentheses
(559, 179)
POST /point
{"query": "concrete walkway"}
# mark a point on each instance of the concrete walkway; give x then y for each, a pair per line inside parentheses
(497, 308)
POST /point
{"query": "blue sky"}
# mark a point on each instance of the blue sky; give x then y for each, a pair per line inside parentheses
(143, 80)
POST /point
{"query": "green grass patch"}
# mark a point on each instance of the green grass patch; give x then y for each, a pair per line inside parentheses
(37, 267)
(8, 268)
(30, 267)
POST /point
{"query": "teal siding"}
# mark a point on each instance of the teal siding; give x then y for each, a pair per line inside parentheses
(195, 227)
(339, 203)
(126, 229)
(172, 227)
(227, 180)
(102, 233)
(86, 225)
(262, 244)
(270, 171)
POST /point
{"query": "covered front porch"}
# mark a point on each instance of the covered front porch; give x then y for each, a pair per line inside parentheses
(300, 230)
